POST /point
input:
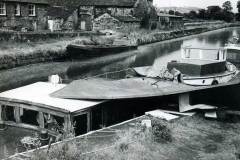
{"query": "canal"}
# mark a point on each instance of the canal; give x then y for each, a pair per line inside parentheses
(157, 54)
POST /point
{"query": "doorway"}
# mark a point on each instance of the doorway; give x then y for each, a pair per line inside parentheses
(83, 25)
(80, 123)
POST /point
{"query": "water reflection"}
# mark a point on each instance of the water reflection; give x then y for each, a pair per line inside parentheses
(159, 54)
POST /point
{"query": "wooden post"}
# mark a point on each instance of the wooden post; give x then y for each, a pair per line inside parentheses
(184, 102)
(1, 118)
(68, 123)
(17, 114)
(88, 121)
(41, 120)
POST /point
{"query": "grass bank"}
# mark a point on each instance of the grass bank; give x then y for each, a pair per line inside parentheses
(185, 138)
(142, 37)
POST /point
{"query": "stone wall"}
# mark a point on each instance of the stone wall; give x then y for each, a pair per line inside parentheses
(114, 11)
(10, 21)
(105, 21)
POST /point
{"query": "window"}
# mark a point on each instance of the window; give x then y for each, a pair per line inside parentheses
(8, 113)
(17, 10)
(29, 117)
(54, 123)
(2, 8)
(31, 10)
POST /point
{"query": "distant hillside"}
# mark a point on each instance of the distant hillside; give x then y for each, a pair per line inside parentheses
(180, 9)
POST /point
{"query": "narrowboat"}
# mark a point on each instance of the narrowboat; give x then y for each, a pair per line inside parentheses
(81, 50)
(33, 108)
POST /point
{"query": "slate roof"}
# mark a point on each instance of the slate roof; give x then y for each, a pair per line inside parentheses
(119, 3)
(28, 1)
(109, 3)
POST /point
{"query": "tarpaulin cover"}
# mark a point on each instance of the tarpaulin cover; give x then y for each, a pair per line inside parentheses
(99, 89)
(118, 89)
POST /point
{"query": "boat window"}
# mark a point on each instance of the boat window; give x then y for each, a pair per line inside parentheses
(54, 123)
(29, 117)
(8, 113)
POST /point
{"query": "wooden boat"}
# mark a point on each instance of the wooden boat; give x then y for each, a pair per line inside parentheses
(79, 50)
(197, 68)
(203, 67)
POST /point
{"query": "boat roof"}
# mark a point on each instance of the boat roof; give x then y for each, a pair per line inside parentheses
(126, 88)
(39, 94)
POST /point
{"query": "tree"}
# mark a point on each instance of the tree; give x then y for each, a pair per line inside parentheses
(238, 14)
(145, 11)
(191, 15)
(202, 14)
(227, 6)
(238, 6)
(171, 12)
(214, 13)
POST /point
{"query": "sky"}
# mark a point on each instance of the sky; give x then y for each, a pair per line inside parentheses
(192, 3)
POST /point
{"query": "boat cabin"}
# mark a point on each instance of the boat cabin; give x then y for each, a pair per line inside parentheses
(233, 52)
(200, 62)
(32, 107)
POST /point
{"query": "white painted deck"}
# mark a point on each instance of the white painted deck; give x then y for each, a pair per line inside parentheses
(39, 93)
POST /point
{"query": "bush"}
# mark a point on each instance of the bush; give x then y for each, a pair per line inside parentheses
(154, 26)
(160, 132)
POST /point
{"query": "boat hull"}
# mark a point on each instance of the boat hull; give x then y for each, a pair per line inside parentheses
(209, 80)
(81, 51)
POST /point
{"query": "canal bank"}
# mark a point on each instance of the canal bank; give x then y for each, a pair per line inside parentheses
(56, 51)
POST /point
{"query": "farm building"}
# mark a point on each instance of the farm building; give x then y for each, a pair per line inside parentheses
(23, 14)
(167, 21)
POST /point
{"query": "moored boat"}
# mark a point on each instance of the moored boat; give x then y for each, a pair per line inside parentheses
(197, 67)
(203, 67)
(80, 50)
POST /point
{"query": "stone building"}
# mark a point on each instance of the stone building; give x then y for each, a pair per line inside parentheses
(60, 18)
(105, 13)
(90, 14)
(107, 21)
(167, 21)
(23, 14)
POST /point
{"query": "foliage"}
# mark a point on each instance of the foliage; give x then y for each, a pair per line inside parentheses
(214, 13)
(171, 12)
(238, 6)
(63, 151)
(202, 14)
(227, 6)
(160, 132)
(145, 11)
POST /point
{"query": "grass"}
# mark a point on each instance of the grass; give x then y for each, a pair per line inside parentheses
(191, 138)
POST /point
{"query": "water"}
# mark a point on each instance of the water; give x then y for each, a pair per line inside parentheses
(159, 54)
(156, 55)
